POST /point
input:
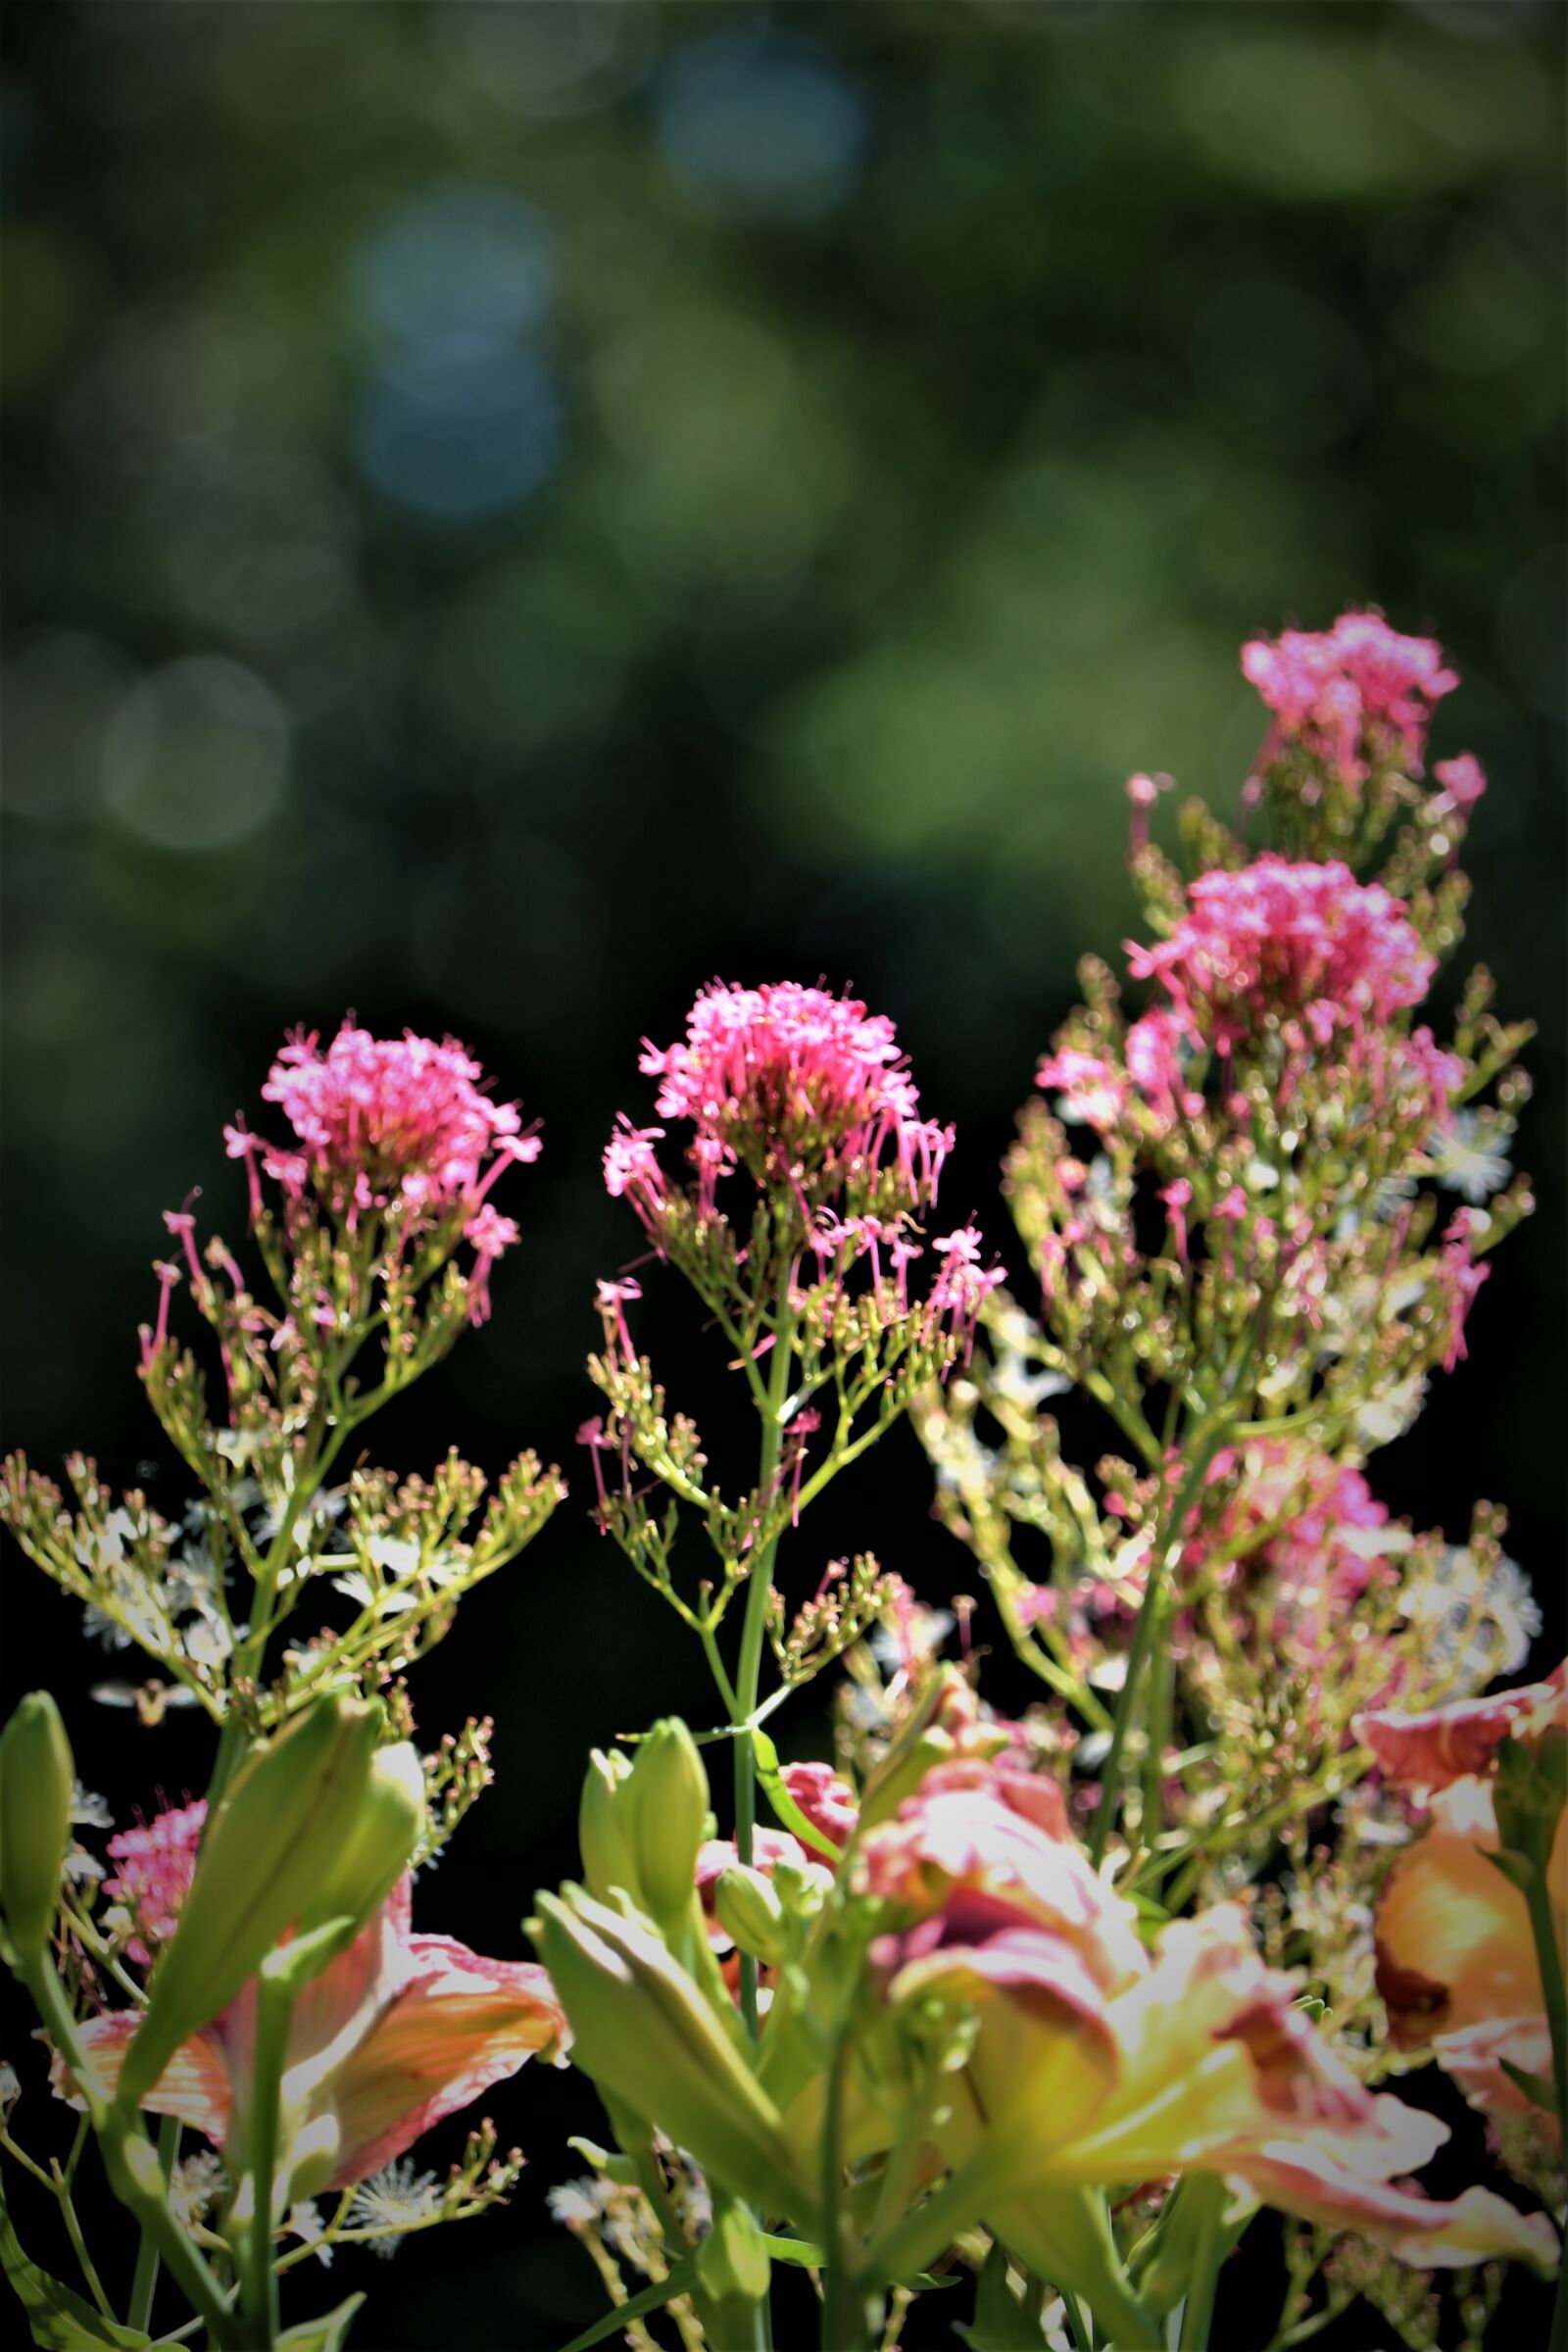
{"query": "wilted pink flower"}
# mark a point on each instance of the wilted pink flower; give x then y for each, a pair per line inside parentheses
(156, 1866)
(397, 2032)
(1300, 942)
(798, 1088)
(1357, 695)
(400, 1125)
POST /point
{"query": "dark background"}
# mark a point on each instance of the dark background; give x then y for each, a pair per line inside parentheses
(511, 509)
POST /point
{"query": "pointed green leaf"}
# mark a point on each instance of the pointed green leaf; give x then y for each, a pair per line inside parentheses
(59, 2320)
(330, 2333)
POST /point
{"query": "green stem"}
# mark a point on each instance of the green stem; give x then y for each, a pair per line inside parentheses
(144, 2285)
(129, 2158)
(1163, 1555)
(78, 2244)
(1208, 2197)
(258, 2280)
(750, 1670)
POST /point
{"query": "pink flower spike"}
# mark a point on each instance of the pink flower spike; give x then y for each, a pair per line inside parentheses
(613, 1297)
(1354, 696)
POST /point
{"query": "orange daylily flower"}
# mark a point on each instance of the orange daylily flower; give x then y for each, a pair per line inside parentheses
(1456, 1960)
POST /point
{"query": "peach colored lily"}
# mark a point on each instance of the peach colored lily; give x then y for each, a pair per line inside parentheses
(1096, 2065)
(1456, 1960)
(397, 2032)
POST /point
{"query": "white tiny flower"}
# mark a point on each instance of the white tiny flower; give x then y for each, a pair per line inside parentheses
(1469, 1157)
(87, 1811)
(394, 2199)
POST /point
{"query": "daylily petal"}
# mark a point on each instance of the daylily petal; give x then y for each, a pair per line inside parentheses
(1454, 1945)
(1427, 1751)
(462, 2024)
(193, 2088)
(1432, 2234)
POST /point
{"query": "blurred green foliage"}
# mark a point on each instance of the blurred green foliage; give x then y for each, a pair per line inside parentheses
(510, 509)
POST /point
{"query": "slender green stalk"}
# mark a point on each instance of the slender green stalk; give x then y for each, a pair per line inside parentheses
(1543, 1928)
(1207, 2192)
(78, 2244)
(258, 2280)
(1163, 1555)
(128, 2159)
(749, 1672)
(144, 2283)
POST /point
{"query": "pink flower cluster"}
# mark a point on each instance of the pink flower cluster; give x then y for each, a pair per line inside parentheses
(1302, 942)
(156, 1864)
(796, 1085)
(386, 1124)
(402, 1127)
(1357, 695)
(1318, 1549)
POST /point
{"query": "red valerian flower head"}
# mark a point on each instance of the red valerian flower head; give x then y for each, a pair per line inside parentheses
(1307, 943)
(1357, 695)
(156, 1866)
(400, 1125)
(797, 1087)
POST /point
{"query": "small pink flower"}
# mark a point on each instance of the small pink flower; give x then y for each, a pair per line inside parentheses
(1463, 779)
(397, 1125)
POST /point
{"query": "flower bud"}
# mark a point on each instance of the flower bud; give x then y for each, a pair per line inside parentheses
(379, 1844)
(36, 1780)
(643, 2032)
(602, 1827)
(748, 1909)
(272, 1849)
(667, 1800)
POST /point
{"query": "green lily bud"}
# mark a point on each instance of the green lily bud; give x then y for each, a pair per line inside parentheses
(387, 1826)
(645, 2034)
(666, 1801)
(604, 1828)
(273, 1850)
(38, 1776)
(748, 1908)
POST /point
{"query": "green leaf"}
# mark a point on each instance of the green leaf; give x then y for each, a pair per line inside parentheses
(765, 1757)
(58, 2319)
(1539, 2087)
(330, 2333)
(1001, 2321)
(653, 2298)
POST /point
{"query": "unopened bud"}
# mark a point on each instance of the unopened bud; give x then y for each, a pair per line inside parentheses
(646, 2038)
(272, 1848)
(37, 1778)
(604, 1829)
(748, 1908)
(668, 1799)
